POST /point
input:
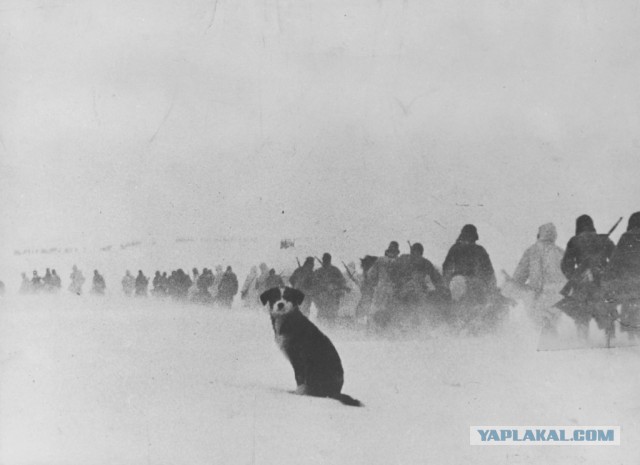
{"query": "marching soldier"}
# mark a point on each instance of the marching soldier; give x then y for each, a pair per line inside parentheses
(583, 264)
(622, 278)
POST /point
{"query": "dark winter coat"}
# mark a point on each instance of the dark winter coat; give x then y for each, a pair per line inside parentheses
(142, 282)
(328, 279)
(273, 280)
(622, 276)
(470, 260)
(228, 286)
(329, 285)
(416, 278)
(586, 257)
(302, 279)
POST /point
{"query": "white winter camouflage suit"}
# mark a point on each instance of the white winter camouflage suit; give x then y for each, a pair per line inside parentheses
(539, 271)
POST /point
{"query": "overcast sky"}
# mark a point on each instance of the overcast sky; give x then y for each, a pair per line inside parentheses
(373, 119)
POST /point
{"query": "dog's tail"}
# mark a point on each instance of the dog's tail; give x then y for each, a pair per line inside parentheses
(348, 400)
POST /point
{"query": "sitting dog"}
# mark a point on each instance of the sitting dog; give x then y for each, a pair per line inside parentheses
(316, 363)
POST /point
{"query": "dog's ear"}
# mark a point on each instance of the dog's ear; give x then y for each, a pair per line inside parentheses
(270, 295)
(294, 295)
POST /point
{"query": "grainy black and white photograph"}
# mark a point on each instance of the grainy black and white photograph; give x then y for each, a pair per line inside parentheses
(319, 232)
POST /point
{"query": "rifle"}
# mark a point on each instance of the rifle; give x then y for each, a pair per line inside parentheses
(319, 261)
(409, 242)
(298, 262)
(351, 275)
(582, 269)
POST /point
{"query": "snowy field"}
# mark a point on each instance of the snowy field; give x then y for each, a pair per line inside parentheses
(114, 381)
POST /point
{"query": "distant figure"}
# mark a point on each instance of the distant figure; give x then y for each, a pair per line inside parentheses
(36, 282)
(217, 277)
(350, 300)
(77, 281)
(47, 281)
(328, 288)
(182, 285)
(261, 280)
(205, 282)
(164, 282)
(158, 288)
(25, 285)
(622, 278)
(228, 288)
(193, 289)
(384, 274)
(539, 271)
(302, 279)
(249, 294)
(128, 284)
(273, 280)
(99, 285)
(367, 288)
(56, 281)
(421, 293)
(583, 263)
(142, 283)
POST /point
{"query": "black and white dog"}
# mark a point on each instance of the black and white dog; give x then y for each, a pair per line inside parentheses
(316, 363)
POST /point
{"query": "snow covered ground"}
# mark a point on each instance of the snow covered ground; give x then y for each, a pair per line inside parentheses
(112, 381)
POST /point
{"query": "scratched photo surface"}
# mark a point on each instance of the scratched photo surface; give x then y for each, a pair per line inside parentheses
(165, 134)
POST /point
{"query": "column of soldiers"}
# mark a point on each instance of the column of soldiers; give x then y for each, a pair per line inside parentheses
(205, 287)
(600, 282)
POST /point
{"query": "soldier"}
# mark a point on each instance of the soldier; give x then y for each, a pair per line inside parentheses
(77, 280)
(183, 283)
(25, 285)
(367, 288)
(328, 288)
(468, 274)
(350, 300)
(302, 279)
(215, 286)
(36, 282)
(142, 283)
(539, 271)
(622, 278)
(273, 280)
(383, 274)
(584, 261)
(205, 281)
(47, 281)
(262, 279)
(56, 281)
(248, 294)
(99, 285)
(157, 285)
(420, 287)
(192, 292)
(128, 284)
(228, 288)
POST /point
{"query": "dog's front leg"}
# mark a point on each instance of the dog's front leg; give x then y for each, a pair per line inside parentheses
(298, 368)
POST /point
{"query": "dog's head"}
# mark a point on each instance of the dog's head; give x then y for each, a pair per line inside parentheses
(282, 300)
